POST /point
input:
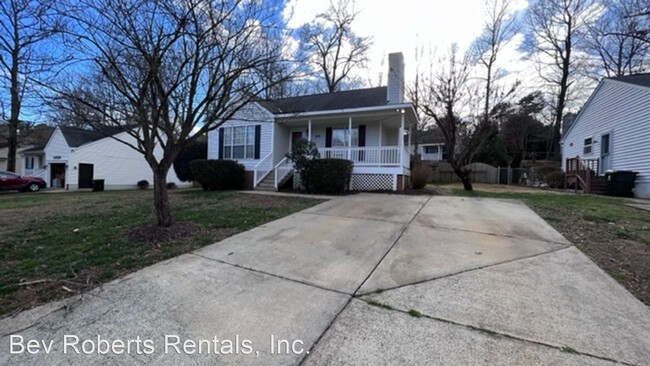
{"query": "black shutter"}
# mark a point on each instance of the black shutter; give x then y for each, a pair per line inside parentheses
(328, 137)
(258, 136)
(362, 135)
(362, 142)
(220, 143)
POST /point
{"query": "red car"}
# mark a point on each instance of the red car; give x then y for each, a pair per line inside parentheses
(10, 181)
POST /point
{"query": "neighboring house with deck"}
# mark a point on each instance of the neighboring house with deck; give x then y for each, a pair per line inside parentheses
(612, 132)
(73, 157)
(365, 126)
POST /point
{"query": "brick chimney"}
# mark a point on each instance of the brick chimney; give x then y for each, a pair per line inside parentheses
(395, 78)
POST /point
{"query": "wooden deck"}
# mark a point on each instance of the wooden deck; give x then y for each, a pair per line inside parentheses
(583, 174)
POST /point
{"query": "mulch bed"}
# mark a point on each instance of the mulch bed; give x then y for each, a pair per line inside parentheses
(157, 234)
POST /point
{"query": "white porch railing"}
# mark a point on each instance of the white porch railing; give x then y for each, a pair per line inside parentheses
(262, 169)
(431, 157)
(282, 169)
(360, 156)
(39, 173)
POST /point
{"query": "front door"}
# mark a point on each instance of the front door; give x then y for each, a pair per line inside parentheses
(605, 155)
(295, 136)
(57, 175)
(85, 175)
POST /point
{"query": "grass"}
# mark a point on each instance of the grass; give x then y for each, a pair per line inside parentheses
(414, 313)
(614, 235)
(54, 245)
(376, 303)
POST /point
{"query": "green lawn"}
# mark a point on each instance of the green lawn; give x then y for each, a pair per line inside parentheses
(55, 245)
(614, 235)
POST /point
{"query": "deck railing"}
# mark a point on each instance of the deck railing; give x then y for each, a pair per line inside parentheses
(581, 171)
(371, 156)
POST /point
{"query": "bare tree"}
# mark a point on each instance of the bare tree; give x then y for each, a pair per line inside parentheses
(330, 45)
(616, 39)
(555, 29)
(25, 28)
(443, 98)
(498, 30)
(168, 71)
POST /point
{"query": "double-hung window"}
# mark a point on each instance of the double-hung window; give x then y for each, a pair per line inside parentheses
(588, 145)
(342, 136)
(29, 162)
(239, 142)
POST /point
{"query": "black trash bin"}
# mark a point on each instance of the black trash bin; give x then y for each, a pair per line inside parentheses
(620, 183)
(98, 185)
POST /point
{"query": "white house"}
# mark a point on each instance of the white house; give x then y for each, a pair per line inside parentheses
(430, 145)
(365, 126)
(612, 132)
(73, 157)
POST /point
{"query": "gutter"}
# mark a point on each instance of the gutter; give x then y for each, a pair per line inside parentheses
(396, 107)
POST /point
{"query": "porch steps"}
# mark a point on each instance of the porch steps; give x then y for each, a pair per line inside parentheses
(267, 184)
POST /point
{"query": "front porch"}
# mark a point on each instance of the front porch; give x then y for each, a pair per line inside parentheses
(378, 144)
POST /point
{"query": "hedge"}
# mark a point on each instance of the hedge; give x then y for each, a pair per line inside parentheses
(193, 151)
(218, 174)
(329, 176)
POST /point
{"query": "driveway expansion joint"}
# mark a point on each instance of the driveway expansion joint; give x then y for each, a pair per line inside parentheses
(566, 244)
(353, 217)
(402, 231)
(486, 331)
(358, 295)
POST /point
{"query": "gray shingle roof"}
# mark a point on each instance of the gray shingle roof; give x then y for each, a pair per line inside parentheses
(357, 98)
(76, 137)
(637, 79)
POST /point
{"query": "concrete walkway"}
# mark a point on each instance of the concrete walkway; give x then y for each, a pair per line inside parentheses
(364, 279)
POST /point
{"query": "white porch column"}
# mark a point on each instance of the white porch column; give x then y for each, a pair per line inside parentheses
(380, 133)
(410, 134)
(401, 139)
(309, 130)
(349, 138)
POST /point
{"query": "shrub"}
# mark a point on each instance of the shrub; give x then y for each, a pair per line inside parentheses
(420, 175)
(171, 185)
(302, 152)
(143, 184)
(329, 176)
(555, 179)
(218, 174)
(193, 151)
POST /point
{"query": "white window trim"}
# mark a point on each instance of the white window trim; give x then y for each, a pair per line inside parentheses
(232, 145)
(590, 145)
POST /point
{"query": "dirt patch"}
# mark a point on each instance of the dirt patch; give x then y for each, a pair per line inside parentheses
(624, 258)
(158, 234)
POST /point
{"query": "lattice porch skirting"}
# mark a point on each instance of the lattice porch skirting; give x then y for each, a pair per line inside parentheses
(366, 182)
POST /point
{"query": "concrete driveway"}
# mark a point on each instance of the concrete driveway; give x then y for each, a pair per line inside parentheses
(364, 279)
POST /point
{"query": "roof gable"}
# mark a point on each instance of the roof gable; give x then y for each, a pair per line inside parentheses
(357, 98)
(76, 137)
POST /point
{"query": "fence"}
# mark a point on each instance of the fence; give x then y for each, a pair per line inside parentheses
(484, 173)
(480, 173)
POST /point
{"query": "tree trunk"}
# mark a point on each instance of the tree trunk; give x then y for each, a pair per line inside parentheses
(465, 178)
(161, 197)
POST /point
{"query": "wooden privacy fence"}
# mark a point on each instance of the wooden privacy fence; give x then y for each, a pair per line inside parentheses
(480, 173)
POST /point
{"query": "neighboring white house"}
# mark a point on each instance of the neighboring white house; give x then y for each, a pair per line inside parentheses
(73, 157)
(612, 132)
(365, 126)
(430, 145)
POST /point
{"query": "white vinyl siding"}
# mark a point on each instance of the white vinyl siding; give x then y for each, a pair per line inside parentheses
(118, 164)
(250, 115)
(57, 149)
(621, 110)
